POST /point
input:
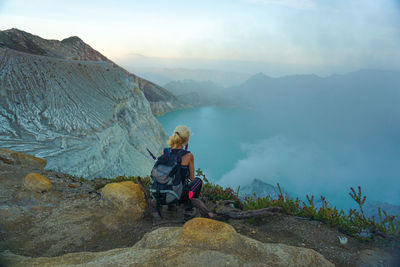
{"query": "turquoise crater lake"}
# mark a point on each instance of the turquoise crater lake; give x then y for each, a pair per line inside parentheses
(235, 145)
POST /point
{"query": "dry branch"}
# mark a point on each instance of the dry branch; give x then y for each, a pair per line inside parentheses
(204, 211)
(270, 211)
(147, 196)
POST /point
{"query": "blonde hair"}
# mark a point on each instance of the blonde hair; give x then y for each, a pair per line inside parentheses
(180, 137)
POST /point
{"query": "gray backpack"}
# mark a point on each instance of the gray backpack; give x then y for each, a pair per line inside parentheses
(166, 181)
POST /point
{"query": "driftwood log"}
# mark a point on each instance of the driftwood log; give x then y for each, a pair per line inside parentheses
(226, 209)
(375, 231)
(270, 211)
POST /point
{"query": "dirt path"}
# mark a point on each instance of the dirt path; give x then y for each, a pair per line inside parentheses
(299, 232)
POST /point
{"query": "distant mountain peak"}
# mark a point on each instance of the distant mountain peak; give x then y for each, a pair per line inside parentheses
(258, 78)
(15, 30)
(72, 39)
(260, 75)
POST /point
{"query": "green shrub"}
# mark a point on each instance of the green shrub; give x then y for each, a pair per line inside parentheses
(215, 192)
(354, 223)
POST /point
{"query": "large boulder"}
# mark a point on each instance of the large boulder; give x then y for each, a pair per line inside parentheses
(191, 244)
(18, 158)
(37, 183)
(207, 233)
(127, 196)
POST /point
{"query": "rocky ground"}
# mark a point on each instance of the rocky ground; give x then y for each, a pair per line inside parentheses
(38, 220)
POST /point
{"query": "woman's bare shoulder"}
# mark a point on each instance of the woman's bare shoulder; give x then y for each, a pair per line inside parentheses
(188, 156)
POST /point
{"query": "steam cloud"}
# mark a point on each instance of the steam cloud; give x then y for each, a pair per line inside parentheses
(306, 167)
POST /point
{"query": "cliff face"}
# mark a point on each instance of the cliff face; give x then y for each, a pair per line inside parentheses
(199, 93)
(87, 117)
(161, 101)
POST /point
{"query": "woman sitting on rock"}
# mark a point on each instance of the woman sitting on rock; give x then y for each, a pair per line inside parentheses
(178, 143)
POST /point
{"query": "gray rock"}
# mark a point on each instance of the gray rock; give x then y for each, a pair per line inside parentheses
(260, 188)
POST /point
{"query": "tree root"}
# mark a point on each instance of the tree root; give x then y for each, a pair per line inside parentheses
(232, 214)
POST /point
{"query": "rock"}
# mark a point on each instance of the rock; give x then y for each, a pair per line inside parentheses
(37, 183)
(127, 196)
(261, 189)
(209, 233)
(18, 158)
(187, 245)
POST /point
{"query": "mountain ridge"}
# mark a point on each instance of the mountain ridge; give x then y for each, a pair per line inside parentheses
(72, 47)
(79, 110)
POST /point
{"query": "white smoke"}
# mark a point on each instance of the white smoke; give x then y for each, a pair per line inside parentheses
(306, 167)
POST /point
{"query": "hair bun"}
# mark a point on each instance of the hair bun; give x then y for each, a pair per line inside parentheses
(180, 137)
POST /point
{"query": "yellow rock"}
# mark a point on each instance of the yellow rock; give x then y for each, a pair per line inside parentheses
(18, 158)
(37, 183)
(127, 196)
(207, 233)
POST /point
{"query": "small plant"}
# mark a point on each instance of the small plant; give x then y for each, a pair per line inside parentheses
(355, 223)
(216, 192)
(251, 221)
(76, 179)
(387, 223)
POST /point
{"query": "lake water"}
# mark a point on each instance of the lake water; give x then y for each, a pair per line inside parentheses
(235, 145)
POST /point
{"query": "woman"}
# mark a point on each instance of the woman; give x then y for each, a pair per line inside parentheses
(178, 142)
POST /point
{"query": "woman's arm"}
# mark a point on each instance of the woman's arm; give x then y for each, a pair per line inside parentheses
(191, 167)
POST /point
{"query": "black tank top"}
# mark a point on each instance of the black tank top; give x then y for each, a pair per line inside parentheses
(185, 174)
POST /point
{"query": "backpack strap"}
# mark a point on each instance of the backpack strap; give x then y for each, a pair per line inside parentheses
(167, 151)
(180, 154)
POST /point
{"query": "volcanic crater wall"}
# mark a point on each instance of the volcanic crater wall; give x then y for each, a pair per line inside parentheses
(86, 118)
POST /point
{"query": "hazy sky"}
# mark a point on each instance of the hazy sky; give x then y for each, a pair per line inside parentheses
(238, 35)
